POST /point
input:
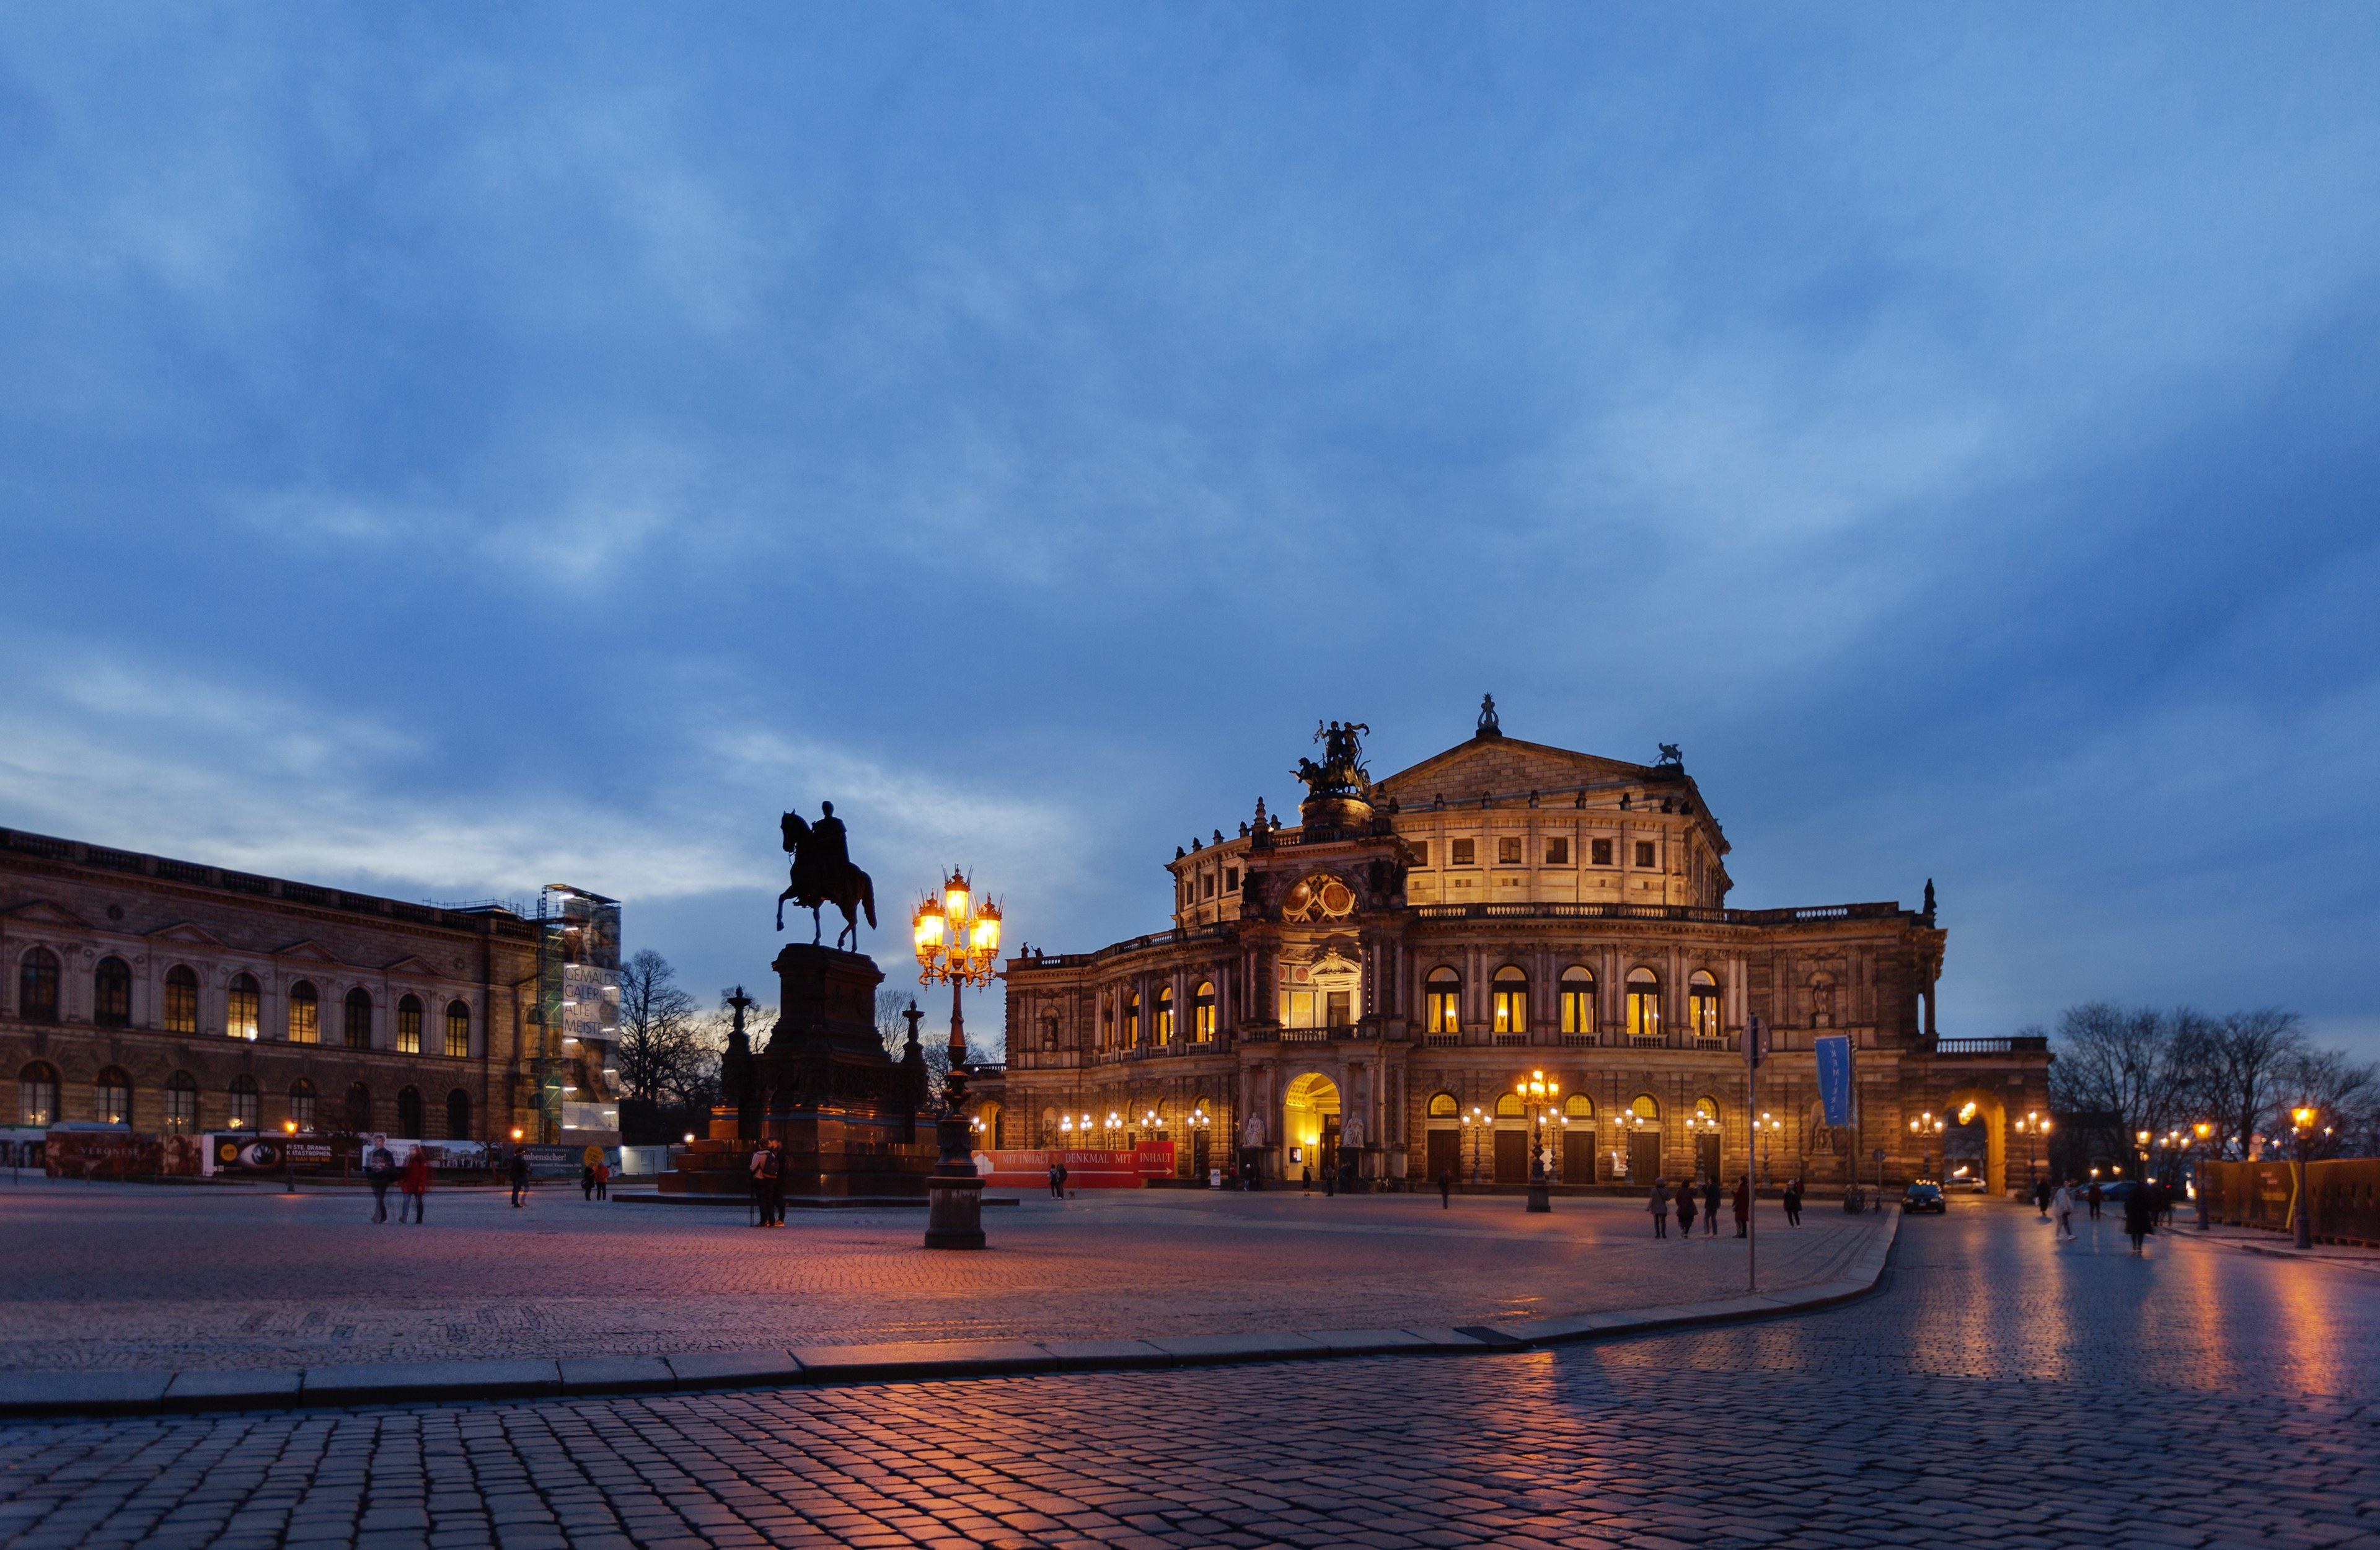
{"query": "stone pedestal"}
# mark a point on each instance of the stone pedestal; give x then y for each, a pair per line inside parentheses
(954, 1191)
(824, 1088)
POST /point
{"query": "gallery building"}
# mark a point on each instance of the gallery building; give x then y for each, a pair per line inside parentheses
(169, 997)
(1367, 987)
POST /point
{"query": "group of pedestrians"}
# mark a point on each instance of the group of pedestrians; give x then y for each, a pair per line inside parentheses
(410, 1177)
(1057, 1180)
(1688, 1206)
(2147, 1204)
(595, 1177)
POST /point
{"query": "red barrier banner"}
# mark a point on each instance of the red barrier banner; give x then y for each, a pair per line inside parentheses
(1086, 1170)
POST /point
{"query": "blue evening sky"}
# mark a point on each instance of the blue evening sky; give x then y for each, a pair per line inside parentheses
(452, 448)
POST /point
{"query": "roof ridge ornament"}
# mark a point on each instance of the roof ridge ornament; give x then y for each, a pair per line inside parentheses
(1489, 726)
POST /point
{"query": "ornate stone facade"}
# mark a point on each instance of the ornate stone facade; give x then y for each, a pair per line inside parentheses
(1368, 985)
(180, 997)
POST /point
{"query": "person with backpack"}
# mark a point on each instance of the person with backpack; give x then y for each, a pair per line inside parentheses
(1659, 1208)
(1685, 1210)
(516, 1170)
(1794, 1202)
(1710, 1206)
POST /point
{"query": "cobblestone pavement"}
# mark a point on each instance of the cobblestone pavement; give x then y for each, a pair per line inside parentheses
(1995, 1392)
(135, 1276)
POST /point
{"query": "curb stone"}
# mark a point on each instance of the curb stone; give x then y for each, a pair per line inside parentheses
(25, 1396)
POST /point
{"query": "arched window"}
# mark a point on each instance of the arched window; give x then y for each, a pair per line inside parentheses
(305, 1014)
(458, 1115)
(1702, 1007)
(115, 1087)
(1132, 1022)
(1647, 1107)
(301, 1103)
(1443, 1107)
(1442, 1001)
(1643, 1007)
(243, 1103)
(1202, 1014)
(358, 1023)
(181, 999)
(408, 1029)
(181, 1103)
(359, 1113)
(1510, 988)
(458, 1033)
(1578, 1105)
(1577, 1001)
(1164, 1014)
(37, 986)
(1707, 1112)
(37, 1095)
(408, 1112)
(1048, 1032)
(1508, 1106)
(240, 1007)
(110, 994)
(1107, 1025)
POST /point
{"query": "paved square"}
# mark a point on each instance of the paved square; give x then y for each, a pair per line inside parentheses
(1994, 1392)
(134, 1276)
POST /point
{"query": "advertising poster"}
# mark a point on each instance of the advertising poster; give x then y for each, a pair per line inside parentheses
(1087, 1169)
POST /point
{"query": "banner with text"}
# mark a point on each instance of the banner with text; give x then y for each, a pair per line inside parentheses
(1835, 1077)
(1086, 1170)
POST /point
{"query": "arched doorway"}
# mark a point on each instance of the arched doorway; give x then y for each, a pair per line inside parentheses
(987, 1126)
(1309, 1126)
(1976, 1138)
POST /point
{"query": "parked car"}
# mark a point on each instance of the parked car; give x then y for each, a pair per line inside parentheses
(1925, 1195)
(1964, 1178)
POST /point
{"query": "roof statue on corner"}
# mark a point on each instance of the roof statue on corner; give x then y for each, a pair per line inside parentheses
(822, 873)
(1671, 758)
(1488, 725)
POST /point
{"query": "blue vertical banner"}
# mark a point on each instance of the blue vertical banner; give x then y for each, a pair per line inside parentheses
(1835, 1076)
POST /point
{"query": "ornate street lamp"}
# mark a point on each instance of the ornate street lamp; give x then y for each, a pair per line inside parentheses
(2205, 1131)
(957, 937)
(1475, 1125)
(2302, 1121)
(2033, 1127)
(288, 1157)
(1928, 1125)
(1537, 1094)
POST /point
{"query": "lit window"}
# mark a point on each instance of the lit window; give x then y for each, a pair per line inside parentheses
(1202, 1014)
(239, 1008)
(243, 1103)
(37, 1095)
(408, 1028)
(1644, 1005)
(1702, 1005)
(301, 1104)
(1443, 998)
(1510, 988)
(305, 1014)
(1165, 1015)
(181, 999)
(1459, 852)
(115, 1096)
(1645, 1108)
(1442, 1106)
(181, 1103)
(1132, 1023)
(1577, 1001)
(1578, 1105)
(458, 1034)
(1558, 852)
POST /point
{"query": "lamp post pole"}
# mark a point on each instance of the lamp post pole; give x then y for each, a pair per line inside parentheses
(2304, 1122)
(1536, 1092)
(957, 936)
(2202, 1131)
(288, 1157)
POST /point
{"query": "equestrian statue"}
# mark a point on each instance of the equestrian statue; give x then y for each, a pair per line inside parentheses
(822, 874)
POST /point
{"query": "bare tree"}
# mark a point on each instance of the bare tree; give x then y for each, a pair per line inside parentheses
(2129, 1066)
(2249, 1056)
(2346, 1095)
(662, 1049)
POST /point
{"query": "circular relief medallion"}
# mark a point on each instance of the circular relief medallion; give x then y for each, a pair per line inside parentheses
(1338, 899)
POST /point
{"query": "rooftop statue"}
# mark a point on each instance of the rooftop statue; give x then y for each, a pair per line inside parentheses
(1671, 758)
(1342, 771)
(1488, 725)
(822, 874)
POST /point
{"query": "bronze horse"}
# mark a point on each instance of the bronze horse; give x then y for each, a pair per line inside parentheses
(825, 876)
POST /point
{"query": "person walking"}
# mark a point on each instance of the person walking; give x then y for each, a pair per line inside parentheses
(1794, 1202)
(379, 1172)
(518, 1171)
(1744, 1206)
(603, 1180)
(587, 1181)
(1330, 1180)
(1056, 1190)
(1710, 1206)
(415, 1185)
(1659, 1206)
(1446, 1189)
(1685, 1210)
(2139, 1216)
(2041, 1193)
(1064, 1175)
(2061, 1206)
(2095, 1197)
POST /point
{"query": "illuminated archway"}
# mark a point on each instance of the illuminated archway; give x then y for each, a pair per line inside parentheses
(1309, 1120)
(1978, 1123)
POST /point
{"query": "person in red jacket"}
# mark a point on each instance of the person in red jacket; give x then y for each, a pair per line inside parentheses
(414, 1182)
(1743, 1205)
